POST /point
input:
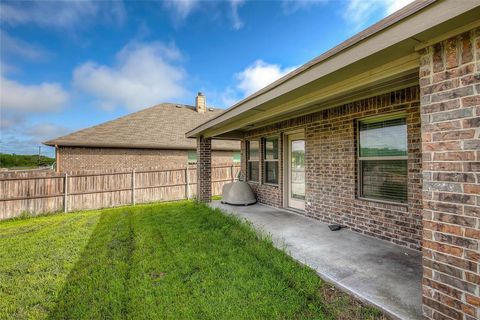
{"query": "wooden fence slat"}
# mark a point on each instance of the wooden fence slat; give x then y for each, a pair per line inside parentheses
(65, 193)
(51, 192)
(133, 187)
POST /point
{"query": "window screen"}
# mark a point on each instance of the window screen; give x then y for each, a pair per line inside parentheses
(192, 156)
(271, 151)
(236, 157)
(383, 159)
(253, 164)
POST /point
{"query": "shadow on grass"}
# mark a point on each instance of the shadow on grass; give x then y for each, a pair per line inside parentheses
(96, 286)
(187, 261)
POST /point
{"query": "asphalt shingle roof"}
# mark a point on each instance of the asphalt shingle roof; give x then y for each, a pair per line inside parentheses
(160, 127)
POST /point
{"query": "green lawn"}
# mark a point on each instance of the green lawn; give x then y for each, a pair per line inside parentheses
(174, 260)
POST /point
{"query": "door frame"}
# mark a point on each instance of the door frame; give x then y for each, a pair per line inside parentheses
(286, 168)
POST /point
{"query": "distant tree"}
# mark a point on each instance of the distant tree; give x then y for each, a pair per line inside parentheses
(298, 158)
(30, 161)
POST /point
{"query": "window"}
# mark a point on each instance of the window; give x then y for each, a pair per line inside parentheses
(382, 158)
(271, 153)
(192, 156)
(236, 157)
(253, 167)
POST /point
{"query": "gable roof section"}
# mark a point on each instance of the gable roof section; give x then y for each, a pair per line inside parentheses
(160, 127)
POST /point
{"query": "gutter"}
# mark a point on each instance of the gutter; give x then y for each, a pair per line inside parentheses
(123, 146)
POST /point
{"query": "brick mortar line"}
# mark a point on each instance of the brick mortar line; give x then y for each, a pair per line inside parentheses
(464, 293)
(446, 274)
(449, 224)
(448, 243)
(459, 119)
(452, 234)
(451, 297)
(423, 257)
(460, 107)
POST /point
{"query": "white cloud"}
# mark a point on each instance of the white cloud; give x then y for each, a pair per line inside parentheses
(44, 131)
(291, 6)
(236, 21)
(395, 5)
(253, 78)
(42, 97)
(24, 138)
(19, 48)
(229, 97)
(9, 121)
(359, 12)
(6, 68)
(65, 14)
(181, 9)
(145, 74)
(18, 102)
(259, 75)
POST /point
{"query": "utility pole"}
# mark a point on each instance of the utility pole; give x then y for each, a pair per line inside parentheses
(39, 152)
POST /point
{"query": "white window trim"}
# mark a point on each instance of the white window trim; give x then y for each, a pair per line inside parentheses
(256, 160)
(191, 161)
(264, 171)
(396, 115)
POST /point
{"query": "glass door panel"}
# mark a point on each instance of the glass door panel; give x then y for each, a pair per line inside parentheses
(296, 171)
(297, 164)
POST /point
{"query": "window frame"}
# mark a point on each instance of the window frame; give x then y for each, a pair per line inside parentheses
(390, 116)
(254, 160)
(264, 160)
(190, 161)
(239, 160)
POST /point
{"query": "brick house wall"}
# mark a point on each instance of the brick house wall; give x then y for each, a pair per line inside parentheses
(450, 108)
(331, 165)
(74, 159)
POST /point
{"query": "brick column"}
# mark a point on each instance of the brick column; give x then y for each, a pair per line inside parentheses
(204, 169)
(450, 110)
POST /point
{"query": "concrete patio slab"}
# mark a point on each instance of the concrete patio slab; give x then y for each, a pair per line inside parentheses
(375, 271)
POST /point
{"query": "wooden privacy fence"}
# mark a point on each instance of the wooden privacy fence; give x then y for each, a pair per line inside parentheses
(63, 192)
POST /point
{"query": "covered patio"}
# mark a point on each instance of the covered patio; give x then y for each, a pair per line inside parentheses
(379, 134)
(379, 273)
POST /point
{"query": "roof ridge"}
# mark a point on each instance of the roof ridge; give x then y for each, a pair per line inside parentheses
(161, 126)
(116, 119)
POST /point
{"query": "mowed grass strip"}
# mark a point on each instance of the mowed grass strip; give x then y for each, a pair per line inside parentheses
(177, 260)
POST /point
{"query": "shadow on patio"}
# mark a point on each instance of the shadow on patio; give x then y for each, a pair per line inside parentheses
(377, 272)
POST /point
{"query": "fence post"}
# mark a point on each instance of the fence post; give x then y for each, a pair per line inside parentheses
(187, 184)
(133, 187)
(65, 193)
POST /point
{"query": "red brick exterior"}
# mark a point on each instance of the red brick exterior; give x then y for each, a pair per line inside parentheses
(74, 159)
(450, 108)
(331, 168)
(442, 216)
(204, 169)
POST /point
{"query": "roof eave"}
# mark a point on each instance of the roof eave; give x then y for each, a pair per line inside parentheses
(59, 144)
(398, 28)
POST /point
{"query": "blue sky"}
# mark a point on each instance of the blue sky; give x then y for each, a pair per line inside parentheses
(72, 64)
